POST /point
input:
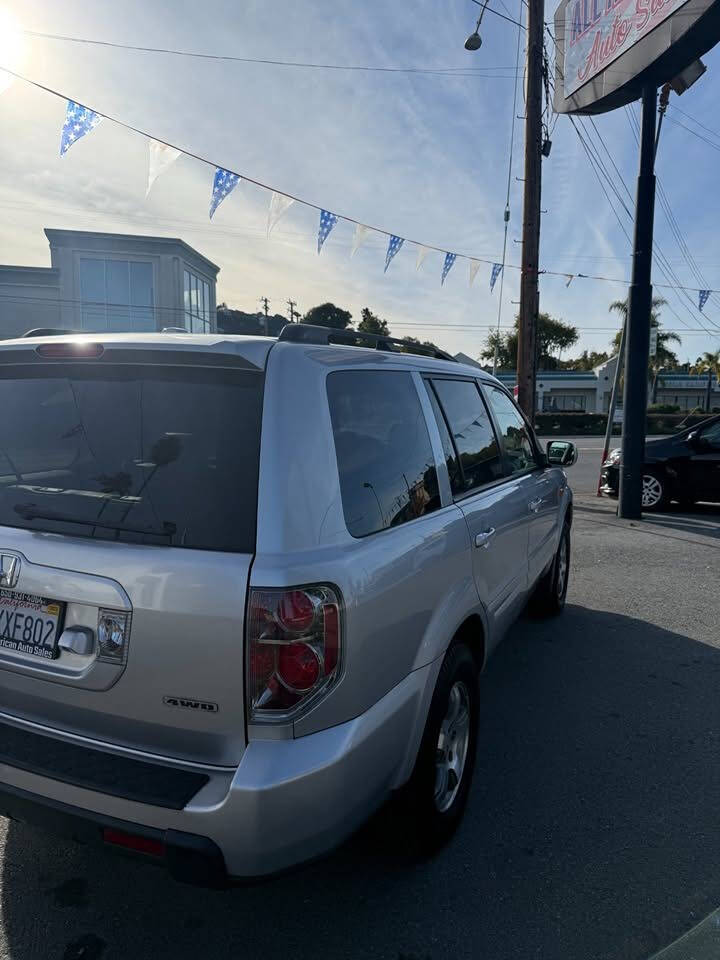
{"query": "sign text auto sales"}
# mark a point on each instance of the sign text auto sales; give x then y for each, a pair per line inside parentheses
(598, 31)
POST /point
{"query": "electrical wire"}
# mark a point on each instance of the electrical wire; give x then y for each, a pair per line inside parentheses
(497, 13)
(715, 146)
(693, 119)
(448, 71)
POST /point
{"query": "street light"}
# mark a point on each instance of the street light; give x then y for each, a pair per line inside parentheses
(474, 41)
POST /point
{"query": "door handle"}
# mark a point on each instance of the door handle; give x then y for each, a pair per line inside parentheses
(483, 539)
(535, 504)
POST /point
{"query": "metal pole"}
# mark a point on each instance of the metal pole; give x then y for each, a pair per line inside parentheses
(637, 347)
(613, 402)
(529, 294)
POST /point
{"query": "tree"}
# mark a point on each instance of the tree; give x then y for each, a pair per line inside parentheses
(587, 360)
(708, 363)
(328, 315)
(414, 342)
(553, 336)
(665, 357)
(371, 323)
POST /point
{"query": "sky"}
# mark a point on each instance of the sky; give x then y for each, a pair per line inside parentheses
(423, 156)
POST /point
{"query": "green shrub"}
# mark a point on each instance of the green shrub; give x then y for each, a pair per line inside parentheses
(663, 408)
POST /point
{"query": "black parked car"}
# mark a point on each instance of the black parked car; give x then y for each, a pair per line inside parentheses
(685, 468)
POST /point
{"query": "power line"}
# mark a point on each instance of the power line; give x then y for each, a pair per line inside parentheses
(694, 120)
(435, 71)
(481, 3)
(677, 123)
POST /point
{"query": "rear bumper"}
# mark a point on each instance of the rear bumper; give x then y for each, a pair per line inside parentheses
(288, 800)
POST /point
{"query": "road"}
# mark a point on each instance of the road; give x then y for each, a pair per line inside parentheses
(591, 831)
(584, 475)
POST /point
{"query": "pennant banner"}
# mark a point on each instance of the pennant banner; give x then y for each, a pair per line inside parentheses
(5, 81)
(570, 278)
(496, 271)
(78, 121)
(224, 183)
(703, 298)
(279, 205)
(161, 157)
(450, 259)
(327, 222)
(421, 254)
(393, 248)
(474, 267)
(359, 237)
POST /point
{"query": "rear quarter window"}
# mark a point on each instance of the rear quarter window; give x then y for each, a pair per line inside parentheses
(385, 461)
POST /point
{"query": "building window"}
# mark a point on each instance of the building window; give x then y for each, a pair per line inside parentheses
(116, 295)
(571, 403)
(196, 303)
(683, 401)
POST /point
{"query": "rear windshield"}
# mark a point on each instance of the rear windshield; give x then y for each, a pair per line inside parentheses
(140, 454)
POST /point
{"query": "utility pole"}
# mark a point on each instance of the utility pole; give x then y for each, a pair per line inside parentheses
(637, 346)
(265, 302)
(292, 311)
(529, 293)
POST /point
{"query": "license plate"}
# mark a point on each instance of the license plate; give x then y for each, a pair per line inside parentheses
(29, 624)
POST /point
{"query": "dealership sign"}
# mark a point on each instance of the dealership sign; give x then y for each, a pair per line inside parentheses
(607, 49)
(598, 31)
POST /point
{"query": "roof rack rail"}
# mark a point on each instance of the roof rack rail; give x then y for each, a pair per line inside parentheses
(50, 332)
(308, 333)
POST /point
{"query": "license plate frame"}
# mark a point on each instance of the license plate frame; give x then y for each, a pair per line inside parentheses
(37, 639)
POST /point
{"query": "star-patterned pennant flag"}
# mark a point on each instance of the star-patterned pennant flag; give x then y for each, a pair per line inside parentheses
(474, 267)
(359, 237)
(279, 205)
(161, 157)
(78, 121)
(703, 298)
(327, 222)
(570, 278)
(224, 183)
(496, 271)
(450, 259)
(393, 249)
(421, 254)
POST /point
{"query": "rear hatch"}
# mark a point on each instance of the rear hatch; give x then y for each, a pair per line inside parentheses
(128, 500)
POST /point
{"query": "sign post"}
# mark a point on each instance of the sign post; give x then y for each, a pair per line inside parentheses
(637, 345)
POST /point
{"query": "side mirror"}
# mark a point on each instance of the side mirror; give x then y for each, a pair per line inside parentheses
(693, 439)
(561, 453)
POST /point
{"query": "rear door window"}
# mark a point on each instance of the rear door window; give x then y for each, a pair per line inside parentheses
(142, 454)
(385, 461)
(514, 434)
(471, 434)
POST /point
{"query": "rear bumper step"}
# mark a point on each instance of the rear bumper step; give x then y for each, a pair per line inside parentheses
(92, 769)
(188, 857)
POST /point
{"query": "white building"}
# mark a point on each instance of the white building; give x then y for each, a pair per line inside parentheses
(110, 281)
(580, 391)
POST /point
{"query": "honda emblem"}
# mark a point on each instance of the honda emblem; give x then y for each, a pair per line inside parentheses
(9, 570)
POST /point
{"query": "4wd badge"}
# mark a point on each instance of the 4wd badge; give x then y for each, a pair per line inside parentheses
(204, 706)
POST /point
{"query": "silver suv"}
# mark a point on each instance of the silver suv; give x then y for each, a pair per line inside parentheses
(247, 586)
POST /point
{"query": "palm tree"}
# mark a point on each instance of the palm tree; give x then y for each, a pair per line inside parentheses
(708, 363)
(664, 357)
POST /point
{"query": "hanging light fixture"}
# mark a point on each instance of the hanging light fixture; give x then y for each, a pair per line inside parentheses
(474, 41)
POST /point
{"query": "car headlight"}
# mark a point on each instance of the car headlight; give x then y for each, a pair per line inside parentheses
(614, 456)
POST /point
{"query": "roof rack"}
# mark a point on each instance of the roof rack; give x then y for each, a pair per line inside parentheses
(308, 333)
(49, 332)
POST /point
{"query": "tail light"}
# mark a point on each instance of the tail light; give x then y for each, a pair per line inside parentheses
(294, 649)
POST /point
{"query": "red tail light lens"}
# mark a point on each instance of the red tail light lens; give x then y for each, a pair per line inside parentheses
(294, 647)
(73, 350)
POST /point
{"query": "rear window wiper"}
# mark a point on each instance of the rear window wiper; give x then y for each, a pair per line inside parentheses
(29, 512)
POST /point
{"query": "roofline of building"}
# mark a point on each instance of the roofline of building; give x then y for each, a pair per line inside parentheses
(57, 236)
(21, 275)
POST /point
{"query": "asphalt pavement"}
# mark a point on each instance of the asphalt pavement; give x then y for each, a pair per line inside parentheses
(592, 829)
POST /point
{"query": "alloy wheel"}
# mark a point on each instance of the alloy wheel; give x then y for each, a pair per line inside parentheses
(452, 747)
(652, 491)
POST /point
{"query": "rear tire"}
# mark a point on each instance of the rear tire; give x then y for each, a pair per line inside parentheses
(430, 806)
(551, 592)
(654, 491)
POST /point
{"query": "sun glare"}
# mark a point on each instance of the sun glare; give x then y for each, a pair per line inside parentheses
(11, 46)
